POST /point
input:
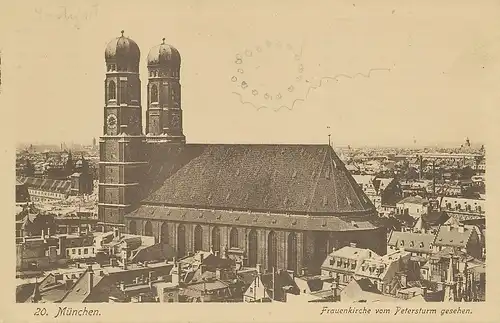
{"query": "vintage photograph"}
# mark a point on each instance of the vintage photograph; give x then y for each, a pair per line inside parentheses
(184, 158)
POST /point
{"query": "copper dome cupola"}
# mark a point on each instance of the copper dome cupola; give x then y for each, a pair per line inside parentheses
(164, 57)
(122, 55)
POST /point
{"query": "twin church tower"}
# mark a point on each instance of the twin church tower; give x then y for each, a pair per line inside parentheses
(123, 146)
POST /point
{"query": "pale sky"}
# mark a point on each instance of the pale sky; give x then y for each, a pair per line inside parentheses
(439, 68)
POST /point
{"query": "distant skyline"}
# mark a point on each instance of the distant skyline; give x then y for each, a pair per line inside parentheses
(437, 88)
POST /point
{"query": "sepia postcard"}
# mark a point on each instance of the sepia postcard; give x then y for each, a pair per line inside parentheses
(327, 160)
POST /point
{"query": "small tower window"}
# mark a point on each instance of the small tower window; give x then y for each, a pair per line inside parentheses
(112, 90)
(154, 93)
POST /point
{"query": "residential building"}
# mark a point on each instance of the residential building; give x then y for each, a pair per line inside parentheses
(462, 205)
(381, 270)
(271, 287)
(363, 291)
(345, 262)
(420, 245)
(414, 206)
(465, 238)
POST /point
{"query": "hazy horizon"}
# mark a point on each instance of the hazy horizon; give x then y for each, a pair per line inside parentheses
(432, 81)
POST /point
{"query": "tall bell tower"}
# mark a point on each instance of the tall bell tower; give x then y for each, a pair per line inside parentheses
(164, 112)
(122, 144)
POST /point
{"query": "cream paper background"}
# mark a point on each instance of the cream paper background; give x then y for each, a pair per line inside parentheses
(441, 84)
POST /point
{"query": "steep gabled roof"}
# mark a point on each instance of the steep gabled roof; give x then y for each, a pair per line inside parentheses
(452, 236)
(46, 184)
(411, 241)
(280, 178)
(80, 290)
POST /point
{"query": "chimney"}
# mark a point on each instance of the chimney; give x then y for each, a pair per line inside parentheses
(217, 253)
(461, 228)
(91, 279)
(176, 275)
(122, 286)
(150, 276)
(304, 271)
(43, 234)
(124, 258)
(79, 229)
(202, 257)
(116, 233)
(424, 291)
(145, 263)
(48, 232)
(291, 273)
(353, 244)
(62, 246)
(218, 274)
(259, 269)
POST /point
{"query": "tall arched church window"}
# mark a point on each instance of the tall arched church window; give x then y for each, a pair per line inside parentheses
(272, 254)
(215, 239)
(154, 93)
(198, 238)
(112, 90)
(233, 238)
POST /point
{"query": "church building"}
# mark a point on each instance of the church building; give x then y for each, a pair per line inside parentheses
(273, 205)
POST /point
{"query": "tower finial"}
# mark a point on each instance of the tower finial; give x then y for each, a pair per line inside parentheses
(163, 41)
(123, 31)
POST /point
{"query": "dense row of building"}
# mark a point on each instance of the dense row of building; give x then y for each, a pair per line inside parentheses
(180, 222)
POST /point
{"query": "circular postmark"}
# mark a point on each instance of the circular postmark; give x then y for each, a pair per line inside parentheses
(274, 73)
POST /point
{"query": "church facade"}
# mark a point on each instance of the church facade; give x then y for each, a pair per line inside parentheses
(278, 206)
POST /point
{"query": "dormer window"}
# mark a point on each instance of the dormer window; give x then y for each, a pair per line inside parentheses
(411, 244)
(421, 244)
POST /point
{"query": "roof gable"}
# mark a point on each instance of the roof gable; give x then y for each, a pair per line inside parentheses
(453, 236)
(282, 178)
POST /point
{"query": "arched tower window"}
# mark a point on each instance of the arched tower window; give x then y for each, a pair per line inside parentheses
(292, 252)
(148, 229)
(112, 90)
(272, 260)
(181, 240)
(252, 248)
(233, 238)
(132, 227)
(216, 239)
(198, 238)
(154, 93)
(164, 233)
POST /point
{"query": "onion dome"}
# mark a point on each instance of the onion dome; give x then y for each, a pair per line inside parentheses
(164, 55)
(123, 52)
